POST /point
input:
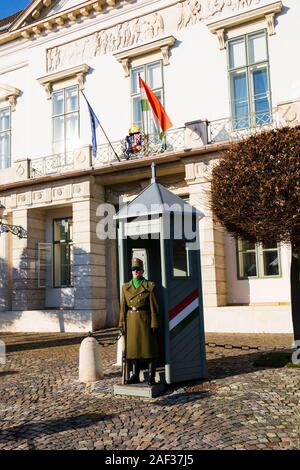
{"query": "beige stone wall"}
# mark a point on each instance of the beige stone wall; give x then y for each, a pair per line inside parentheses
(25, 293)
(211, 236)
(89, 269)
(94, 279)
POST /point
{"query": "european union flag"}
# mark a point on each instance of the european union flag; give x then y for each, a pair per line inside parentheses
(94, 124)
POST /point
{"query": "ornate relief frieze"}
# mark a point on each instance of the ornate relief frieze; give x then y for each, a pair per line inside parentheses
(193, 11)
(140, 30)
(106, 41)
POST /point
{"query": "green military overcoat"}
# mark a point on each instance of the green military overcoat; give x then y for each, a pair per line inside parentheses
(141, 340)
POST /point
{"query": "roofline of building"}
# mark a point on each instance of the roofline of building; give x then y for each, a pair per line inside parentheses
(9, 19)
(56, 19)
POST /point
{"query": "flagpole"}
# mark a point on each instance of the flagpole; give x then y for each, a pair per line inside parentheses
(110, 143)
(98, 122)
(143, 125)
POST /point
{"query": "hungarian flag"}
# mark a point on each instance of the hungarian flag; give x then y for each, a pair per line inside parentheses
(149, 101)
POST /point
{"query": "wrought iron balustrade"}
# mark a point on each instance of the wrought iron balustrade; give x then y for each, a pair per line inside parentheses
(234, 129)
(151, 145)
(174, 140)
(51, 165)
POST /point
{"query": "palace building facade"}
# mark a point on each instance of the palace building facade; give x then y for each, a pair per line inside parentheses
(223, 70)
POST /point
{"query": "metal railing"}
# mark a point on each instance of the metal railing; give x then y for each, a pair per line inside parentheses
(51, 165)
(221, 130)
(151, 145)
(234, 129)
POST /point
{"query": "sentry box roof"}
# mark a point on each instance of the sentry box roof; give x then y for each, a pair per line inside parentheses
(156, 199)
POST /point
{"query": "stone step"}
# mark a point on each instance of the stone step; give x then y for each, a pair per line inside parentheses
(140, 390)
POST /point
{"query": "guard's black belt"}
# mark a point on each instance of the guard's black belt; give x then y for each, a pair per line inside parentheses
(138, 309)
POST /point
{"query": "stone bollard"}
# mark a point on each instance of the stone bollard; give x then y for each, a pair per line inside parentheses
(90, 365)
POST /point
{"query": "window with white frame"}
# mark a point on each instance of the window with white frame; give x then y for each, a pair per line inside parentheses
(62, 252)
(5, 138)
(258, 260)
(248, 66)
(65, 119)
(152, 74)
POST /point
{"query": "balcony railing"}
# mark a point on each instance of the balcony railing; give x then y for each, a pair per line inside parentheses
(150, 145)
(194, 135)
(51, 164)
(173, 141)
(233, 129)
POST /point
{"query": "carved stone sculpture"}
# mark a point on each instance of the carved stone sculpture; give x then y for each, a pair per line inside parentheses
(139, 30)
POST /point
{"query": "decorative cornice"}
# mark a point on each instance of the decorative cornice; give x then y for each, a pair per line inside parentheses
(71, 15)
(78, 72)
(8, 93)
(32, 11)
(163, 45)
(267, 12)
(189, 12)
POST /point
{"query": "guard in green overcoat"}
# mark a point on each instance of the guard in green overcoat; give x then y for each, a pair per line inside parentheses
(139, 320)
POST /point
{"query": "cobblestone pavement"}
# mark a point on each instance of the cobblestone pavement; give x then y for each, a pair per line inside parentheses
(43, 406)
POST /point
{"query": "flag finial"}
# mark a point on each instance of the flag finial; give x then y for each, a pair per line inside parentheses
(153, 169)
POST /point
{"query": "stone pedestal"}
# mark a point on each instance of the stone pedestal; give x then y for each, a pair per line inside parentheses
(196, 134)
(21, 169)
(140, 390)
(82, 158)
(289, 113)
(90, 364)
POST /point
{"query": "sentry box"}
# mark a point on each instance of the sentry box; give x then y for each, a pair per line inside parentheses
(163, 230)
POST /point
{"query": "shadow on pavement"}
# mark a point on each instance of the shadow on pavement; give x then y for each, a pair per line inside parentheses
(174, 397)
(111, 375)
(36, 429)
(227, 366)
(218, 368)
(103, 336)
(3, 373)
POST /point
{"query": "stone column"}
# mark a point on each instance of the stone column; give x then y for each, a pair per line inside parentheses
(211, 235)
(26, 294)
(89, 259)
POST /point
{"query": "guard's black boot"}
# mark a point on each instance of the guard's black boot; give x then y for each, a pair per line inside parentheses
(151, 379)
(135, 377)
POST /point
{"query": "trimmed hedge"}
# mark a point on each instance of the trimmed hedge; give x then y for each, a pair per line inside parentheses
(256, 187)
